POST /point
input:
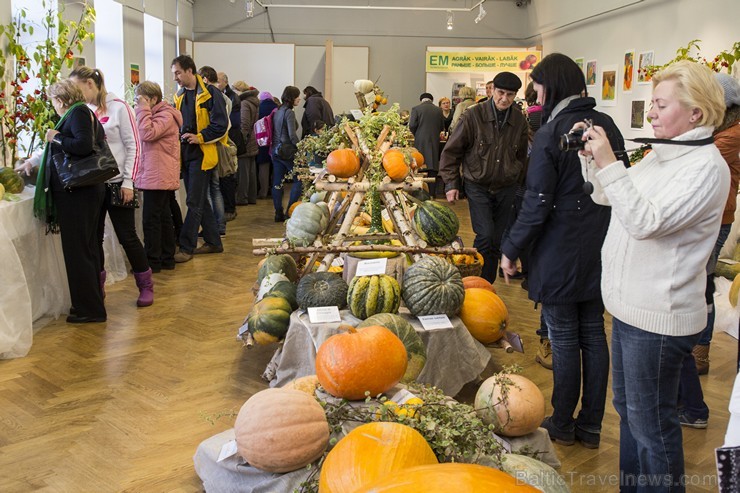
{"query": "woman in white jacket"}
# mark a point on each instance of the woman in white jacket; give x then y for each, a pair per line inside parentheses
(119, 123)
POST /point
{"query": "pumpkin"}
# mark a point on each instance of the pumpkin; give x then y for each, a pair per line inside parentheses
(351, 363)
(534, 472)
(364, 86)
(436, 223)
(420, 194)
(734, 289)
(307, 384)
(371, 452)
(284, 264)
(281, 430)
(12, 181)
(322, 289)
(368, 295)
(418, 158)
(477, 282)
(433, 286)
(317, 197)
(343, 163)
(268, 282)
(306, 222)
(269, 319)
(417, 353)
(285, 290)
(517, 411)
(292, 208)
(396, 165)
(484, 314)
(447, 477)
(2, 191)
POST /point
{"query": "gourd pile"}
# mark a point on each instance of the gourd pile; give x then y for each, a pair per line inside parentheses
(11, 183)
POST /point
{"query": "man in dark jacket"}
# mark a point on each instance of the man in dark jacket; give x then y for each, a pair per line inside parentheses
(490, 143)
(315, 108)
(426, 123)
(246, 192)
(228, 183)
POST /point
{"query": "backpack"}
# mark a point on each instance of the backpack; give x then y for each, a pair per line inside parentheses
(263, 130)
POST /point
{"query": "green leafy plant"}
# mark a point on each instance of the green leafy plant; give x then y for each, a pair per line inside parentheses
(724, 60)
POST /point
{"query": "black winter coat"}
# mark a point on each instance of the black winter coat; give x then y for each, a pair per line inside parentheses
(563, 225)
(316, 108)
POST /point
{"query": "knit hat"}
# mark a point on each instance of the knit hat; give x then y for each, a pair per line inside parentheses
(426, 95)
(731, 88)
(241, 86)
(265, 95)
(507, 81)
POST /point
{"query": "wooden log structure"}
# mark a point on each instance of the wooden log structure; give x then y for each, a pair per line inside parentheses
(334, 249)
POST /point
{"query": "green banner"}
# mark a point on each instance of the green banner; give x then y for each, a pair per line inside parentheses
(481, 61)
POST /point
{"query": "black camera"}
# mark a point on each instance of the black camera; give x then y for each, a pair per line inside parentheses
(185, 130)
(573, 140)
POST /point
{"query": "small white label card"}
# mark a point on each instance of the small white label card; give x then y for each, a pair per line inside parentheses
(358, 113)
(323, 314)
(435, 322)
(228, 450)
(402, 397)
(385, 215)
(371, 267)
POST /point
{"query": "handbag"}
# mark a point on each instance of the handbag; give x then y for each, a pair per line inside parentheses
(286, 150)
(227, 160)
(116, 198)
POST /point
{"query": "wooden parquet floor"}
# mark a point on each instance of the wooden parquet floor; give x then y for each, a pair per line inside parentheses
(120, 406)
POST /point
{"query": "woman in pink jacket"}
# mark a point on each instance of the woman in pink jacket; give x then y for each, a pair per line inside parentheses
(159, 172)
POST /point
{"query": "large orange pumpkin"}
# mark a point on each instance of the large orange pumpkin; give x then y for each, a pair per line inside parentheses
(517, 411)
(447, 477)
(281, 430)
(371, 452)
(394, 163)
(343, 163)
(477, 282)
(372, 359)
(484, 314)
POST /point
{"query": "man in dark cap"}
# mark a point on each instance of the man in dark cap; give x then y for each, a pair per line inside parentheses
(490, 143)
(426, 123)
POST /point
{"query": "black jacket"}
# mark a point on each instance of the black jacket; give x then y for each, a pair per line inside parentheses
(235, 133)
(563, 225)
(76, 137)
(316, 108)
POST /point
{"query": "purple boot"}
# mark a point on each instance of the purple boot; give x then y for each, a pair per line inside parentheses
(145, 283)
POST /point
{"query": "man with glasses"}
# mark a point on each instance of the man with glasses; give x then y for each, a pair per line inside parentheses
(490, 144)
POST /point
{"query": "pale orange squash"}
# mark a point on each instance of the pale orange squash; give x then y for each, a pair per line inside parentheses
(477, 282)
(305, 384)
(484, 314)
(395, 164)
(343, 163)
(519, 411)
(418, 158)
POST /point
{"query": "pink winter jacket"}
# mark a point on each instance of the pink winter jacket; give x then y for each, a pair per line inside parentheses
(159, 132)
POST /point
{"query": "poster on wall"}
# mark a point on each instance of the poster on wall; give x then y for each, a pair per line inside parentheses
(628, 70)
(134, 74)
(481, 61)
(609, 85)
(637, 119)
(644, 60)
(591, 73)
(579, 61)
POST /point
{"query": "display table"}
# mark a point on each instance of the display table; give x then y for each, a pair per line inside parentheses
(454, 358)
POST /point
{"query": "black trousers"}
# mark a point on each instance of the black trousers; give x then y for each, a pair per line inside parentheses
(228, 191)
(159, 232)
(78, 213)
(124, 224)
(176, 215)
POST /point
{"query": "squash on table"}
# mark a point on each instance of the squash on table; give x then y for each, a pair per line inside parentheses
(284, 264)
(364, 86)
(484, 314)
(307, 384)
(306, 222)
(396, 164)
(343, 163)
(322, 289)
(371, 452)
(436, 223)
(375, 206)
(417, 158)
(415, 349)
(281, 430)
(368, 295)
(351, 363)
(420, 194)
(534, 472)
(12, 181)
(513, 404)
(285, 290)
(734, 289)
(477, 282)
(433, 286)
(269, 319)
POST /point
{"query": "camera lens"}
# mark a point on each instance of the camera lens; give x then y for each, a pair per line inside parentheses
(572, 141)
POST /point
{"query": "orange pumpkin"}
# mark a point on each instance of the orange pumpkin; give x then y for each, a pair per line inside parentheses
(418, 158)
(281, 430)
(484, 314)
(305, 384)
(357, 361)
(371, 452)
(447, 477)
(293, 208)
(343, 163)
(477, 282)
(516, 412)
(394, 163)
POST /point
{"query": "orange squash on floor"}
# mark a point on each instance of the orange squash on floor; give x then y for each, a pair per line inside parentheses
(484, 314)
(477, 282)
(343, 163)
(395, 164)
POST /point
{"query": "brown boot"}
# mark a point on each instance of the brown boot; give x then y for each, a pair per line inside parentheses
(701, 356)
(544, 354)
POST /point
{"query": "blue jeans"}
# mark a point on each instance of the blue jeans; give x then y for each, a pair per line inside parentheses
(578, 340)
(216, 200)
(199, 210)
(724, 232)
(280, 168)
(645, 374)
(490, 214)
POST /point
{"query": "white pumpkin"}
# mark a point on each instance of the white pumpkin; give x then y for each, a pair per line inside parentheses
(306, 222)
(364, 86)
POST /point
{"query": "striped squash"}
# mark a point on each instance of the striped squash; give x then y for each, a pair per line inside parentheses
(369, 295)
(415, 349)
(433, 286)
(269, 320)
(436, 223)
(285, 290)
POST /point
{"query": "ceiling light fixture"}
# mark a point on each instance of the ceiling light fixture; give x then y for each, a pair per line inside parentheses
(481, 13)
(250, 8)
(449, 20)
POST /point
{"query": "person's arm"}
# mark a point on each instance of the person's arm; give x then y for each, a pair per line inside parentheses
(449, 163)
(130, 140)
(219, 119)
(78, 135)
(414, 120)
(247, 120)
(291, 123)
(152, 126)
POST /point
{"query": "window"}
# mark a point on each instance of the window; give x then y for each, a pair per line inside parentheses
(109, 44)
(154, 49)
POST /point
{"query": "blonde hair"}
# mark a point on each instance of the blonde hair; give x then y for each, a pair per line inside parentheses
(467, 92)
(150, 89)
(442, 100)
(696, 88)
(67, 92)
(87, 73)
(240, 86)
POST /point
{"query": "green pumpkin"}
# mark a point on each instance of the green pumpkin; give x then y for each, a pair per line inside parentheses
(284, 264)
(285, 290)
(433, 286)
(534, 473)
(269, 320)
(436, 223)
(420, 194)
(12, 181)
(415, 349)
(306, 222)
(322, 289)
(368, 295)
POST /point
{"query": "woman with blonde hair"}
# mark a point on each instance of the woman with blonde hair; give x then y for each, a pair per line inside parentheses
(666, 212)
(446, 105)
(467, 94)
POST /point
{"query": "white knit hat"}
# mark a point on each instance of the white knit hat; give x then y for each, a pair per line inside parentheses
(731, 87)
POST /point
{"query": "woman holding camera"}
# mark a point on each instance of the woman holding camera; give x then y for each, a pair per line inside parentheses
(565, 231)
(284, 140)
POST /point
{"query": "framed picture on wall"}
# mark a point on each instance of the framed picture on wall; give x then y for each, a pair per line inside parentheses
(637, 118)
(591, 73)
(645, 59)
(609, 85)
(580, 62)
(628, 71)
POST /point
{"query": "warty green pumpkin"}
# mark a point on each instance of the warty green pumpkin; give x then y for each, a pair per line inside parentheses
(415, 349)
(433, 286)
(436, 223)
(322, 289)
(368, 295)
(269, 319)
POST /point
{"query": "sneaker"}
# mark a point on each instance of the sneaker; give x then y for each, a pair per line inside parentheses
(544, 354)
(181, 257)
(697, 423)
(206, 248)
(557, 436)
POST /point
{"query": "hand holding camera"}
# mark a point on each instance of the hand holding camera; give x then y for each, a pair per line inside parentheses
(187, 136)
(590, 141)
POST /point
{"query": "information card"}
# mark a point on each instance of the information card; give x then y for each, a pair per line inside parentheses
(227, 450)
(435, 322)
(323, 314)
(371, 267)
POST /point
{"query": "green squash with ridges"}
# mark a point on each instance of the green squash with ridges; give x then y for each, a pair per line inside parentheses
(433, 286)
(322, 289)
(436, 223)
(368, 295)
(269, 320)
(278, 263)
(415, 349)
